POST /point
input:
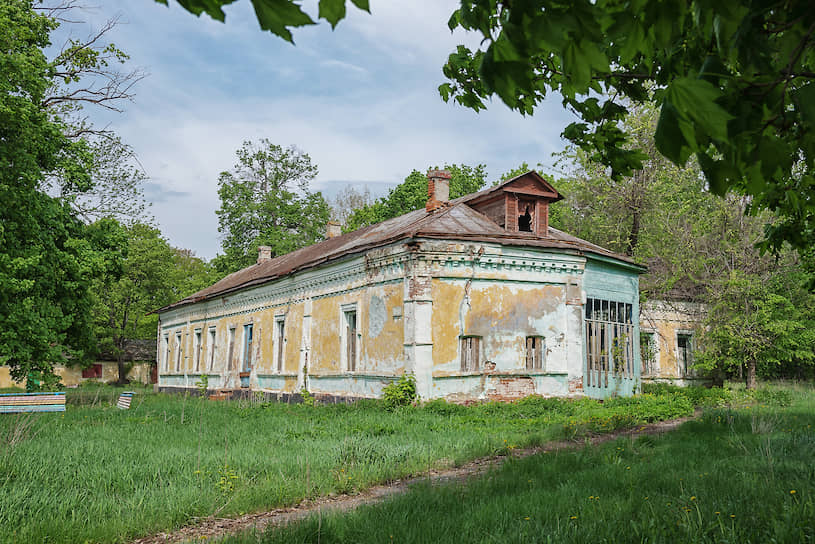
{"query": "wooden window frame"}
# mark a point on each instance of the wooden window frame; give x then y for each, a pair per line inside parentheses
(248, 347)
(350, 337)
(196, 348)
(279, 342)
(178, 346)
(211, 332)
(470, 346)
(535, 352)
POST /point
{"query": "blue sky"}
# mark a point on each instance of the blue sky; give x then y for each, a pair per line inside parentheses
(361, 100)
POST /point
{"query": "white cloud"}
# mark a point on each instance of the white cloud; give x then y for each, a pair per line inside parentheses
(361, 101)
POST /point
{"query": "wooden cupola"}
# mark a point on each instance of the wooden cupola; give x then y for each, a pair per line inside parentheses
(519, 204)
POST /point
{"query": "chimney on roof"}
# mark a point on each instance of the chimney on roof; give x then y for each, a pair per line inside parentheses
(438, 189)
(333, 229)
(264, 254)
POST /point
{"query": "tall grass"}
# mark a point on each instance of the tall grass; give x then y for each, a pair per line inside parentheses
(100, 474)
(735, 475)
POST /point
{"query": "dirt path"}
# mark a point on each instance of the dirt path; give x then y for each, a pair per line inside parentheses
(209, 528)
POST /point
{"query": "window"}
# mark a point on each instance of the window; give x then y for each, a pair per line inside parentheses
(280, 338)
(247, 348)
(526, 211)
(211, 348)
(196, 349)
(178, 352)
(350, 350)
(648, 352)
(609, 341)
(535, 350)
(231, 348)
(93, 371)
(684, 353)
(470, 351)
(166, 351)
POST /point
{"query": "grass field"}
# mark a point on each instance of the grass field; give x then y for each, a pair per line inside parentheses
(735, 475)
(100, 474)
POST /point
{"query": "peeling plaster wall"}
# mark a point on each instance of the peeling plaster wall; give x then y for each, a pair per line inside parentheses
(311, 304)
(666, 319)
(413, 301)
(502, 295)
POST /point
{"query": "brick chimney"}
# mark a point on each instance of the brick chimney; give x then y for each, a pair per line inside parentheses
(264, 254)
(438, 189)
(333, 229)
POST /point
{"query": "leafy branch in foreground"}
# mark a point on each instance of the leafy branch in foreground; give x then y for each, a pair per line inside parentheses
(276, 16)
(733, 81)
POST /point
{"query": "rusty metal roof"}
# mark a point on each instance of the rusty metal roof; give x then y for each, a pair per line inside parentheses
(456, 221)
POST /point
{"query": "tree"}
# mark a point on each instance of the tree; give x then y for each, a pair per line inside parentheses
(116, 184)
(348, 200)
(753, 322)
(265, 200)
(144, 284)
(48, 258)
(276, 16)
(411, 195)
(733, 82)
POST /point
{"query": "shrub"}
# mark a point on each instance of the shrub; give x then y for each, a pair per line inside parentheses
(402, 392)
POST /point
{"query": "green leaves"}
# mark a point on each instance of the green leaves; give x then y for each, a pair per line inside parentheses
(277, 16)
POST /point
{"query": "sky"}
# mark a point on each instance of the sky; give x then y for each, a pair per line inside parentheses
(361, 101)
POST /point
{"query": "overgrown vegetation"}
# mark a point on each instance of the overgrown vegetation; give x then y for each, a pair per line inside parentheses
(735, 475)
(101, 474)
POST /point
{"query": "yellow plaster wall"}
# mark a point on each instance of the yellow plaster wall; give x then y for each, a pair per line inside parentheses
(71, 376)
(502, 316)
(665, 320)
(293, 332)
(325, 333)
(385, 351)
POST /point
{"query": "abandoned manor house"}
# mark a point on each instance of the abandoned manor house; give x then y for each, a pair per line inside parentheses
(477, 297)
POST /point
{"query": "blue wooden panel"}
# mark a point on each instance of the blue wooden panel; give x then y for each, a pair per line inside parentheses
(614, 281)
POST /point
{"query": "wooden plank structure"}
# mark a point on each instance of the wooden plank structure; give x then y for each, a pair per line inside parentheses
(125, 399)
(11, 403)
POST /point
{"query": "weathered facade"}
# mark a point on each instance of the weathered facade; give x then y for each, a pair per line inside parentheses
(669, 332)
(478, 298)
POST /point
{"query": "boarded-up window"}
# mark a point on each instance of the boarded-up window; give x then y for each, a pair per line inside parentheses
(470, 353)
(350, 339)
(609, 341)
(280, 337)
(535, 350)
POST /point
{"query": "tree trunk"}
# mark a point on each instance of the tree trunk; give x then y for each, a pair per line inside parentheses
(751, 374)
(120, 362)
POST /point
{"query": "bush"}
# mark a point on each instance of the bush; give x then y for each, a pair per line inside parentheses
(402, 392)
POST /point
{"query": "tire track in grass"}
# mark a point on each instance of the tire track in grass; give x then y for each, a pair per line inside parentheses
(213, 527)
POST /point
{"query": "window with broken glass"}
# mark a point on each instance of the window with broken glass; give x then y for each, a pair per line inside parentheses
(648, 352)
(609, 341)
(470, 353)
(684, 348)
(535, 350)
(280, 332)
(350, 340)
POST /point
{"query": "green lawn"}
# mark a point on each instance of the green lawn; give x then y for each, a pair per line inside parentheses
(100, 474)
(735, 475)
